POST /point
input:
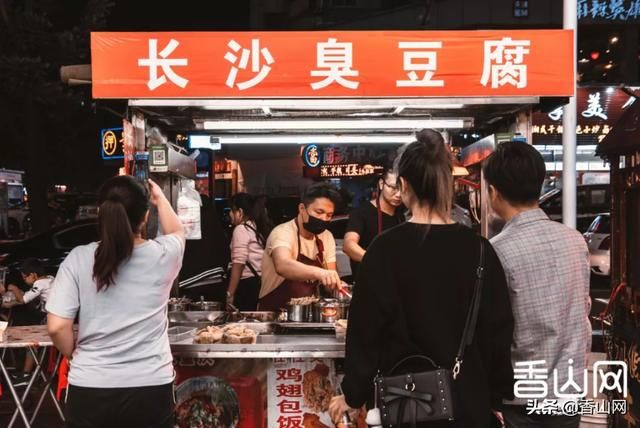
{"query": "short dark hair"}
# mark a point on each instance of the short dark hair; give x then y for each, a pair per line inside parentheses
(383, 175)
(32, 265)
(321, 190)
(517, 171)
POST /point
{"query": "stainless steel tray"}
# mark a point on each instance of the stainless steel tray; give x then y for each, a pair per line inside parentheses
(307, 325)
(180, 333)
(209, 317)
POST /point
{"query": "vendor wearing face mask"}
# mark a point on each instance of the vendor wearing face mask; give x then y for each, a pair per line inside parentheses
(301, 254)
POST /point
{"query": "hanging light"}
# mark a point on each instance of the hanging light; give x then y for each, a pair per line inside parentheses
(608, 66)
(613, 40)
(595, 55)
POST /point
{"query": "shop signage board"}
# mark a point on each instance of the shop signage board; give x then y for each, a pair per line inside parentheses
(233, 391)
(112, 143)
(314, 155)
(485, 63)
(609, 11)
(299, 392)
(599, 109)
(350, 170)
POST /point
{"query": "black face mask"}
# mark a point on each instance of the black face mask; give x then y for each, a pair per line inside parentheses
(315, 225)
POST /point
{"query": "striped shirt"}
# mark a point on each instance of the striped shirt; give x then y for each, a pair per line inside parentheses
(547, 270)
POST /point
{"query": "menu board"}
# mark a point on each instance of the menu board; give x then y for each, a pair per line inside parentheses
(299, 392)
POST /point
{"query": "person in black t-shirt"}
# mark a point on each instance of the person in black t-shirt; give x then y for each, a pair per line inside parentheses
(371, 218)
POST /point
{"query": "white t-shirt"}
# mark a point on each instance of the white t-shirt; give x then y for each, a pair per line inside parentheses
(41, 288)
(122, 338)
(286, 236)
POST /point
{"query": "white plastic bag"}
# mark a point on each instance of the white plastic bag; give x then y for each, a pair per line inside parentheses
(189, 203)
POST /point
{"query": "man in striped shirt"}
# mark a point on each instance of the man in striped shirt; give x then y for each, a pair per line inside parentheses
(547, 270)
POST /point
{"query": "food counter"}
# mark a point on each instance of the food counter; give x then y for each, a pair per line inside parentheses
(285, 378)
(267, 346)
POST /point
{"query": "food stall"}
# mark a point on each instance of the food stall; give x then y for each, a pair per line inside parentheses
(252, 95)
(621, 149)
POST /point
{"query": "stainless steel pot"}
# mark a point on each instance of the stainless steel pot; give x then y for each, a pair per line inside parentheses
(205, 306)
(329, 311)
(298, 313)
(178, 305)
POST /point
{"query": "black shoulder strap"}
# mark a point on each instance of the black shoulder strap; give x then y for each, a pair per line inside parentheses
(259, 238)
(472, 315)
(252, 269)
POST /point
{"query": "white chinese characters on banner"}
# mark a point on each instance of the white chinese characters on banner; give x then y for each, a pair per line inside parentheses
(504, 63)
(256, 54)
(610, 10)
(428, 65)
(164, 62)
(556, 114)
(299, 392)
(334, 61)
(594, 107)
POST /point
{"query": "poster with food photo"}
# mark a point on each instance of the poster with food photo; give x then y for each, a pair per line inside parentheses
(299, 392)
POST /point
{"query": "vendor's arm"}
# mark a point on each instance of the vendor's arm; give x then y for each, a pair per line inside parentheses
(234, 279)
(355, 229)
(61, 331)
(352, 248)
(291, 269)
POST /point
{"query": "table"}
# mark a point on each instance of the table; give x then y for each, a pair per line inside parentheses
(33, 338)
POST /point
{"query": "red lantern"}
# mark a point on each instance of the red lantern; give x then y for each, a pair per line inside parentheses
(595, 55)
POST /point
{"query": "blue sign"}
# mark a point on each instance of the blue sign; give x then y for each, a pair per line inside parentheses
(112, 143)
(311, 156)
(609, 10)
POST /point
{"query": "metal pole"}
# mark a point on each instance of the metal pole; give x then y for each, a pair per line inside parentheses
(569, 122)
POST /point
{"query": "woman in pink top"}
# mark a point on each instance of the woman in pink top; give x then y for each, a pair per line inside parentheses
(252, 227)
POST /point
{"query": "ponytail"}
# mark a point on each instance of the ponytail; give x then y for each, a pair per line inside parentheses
(123, 206)
(260, 217)
(427, 165)
(116, 245)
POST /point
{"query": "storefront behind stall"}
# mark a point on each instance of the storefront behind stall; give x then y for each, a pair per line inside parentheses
(271, 102)
(621, 149)
(599, 110)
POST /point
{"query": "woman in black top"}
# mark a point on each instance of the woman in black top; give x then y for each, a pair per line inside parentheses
(416, 284)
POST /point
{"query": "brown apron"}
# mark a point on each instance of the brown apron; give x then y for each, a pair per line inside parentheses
(289, 289)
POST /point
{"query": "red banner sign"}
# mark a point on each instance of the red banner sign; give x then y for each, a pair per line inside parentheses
(332, 64)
